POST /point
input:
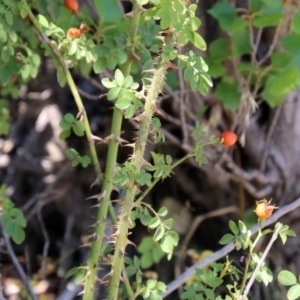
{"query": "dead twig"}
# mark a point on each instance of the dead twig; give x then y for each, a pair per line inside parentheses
(87, 95)
(272, 46)
(1, 286)
(47, 242)
(18, 267)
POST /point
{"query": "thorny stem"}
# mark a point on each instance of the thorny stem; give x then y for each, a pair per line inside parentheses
(96, 248)
(137, 162)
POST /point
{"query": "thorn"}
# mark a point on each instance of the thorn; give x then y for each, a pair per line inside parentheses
(102, 96)
(101, 281)
(139, 118)
(172, 66)
(167, 31)
(119, 201)
(122, 252)
(134, 205)
(130, 222)
(130, 14)
(131, 157)
(94, 225)
(85, 245)
(115, 234)
(97, 205)
(109, 138)
(92, 197)
(96, 182)
(159, 112)
(116, 189)
(149, 71)
(78, 116)
(96, 138)
(149, 79)
(145, 163)
(120, 141)
(93, 236)
(109, 274)
(159, 37)
(130, 243)
(130, 145)
(102, 195)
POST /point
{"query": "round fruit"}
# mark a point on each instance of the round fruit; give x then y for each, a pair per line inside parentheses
(228, 138)
(74, 32)
(71, 5)
(264, 209)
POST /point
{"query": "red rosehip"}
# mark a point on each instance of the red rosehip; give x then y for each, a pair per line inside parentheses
(71, 5)
(228, 138)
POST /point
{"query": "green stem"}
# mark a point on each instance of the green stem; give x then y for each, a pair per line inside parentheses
(259, 235)
(96, 247)
(137, 162)
(259, 264)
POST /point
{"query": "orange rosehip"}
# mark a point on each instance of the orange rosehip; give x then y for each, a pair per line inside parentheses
(71, 5)
(264, 209)
(74, 32)
(228, 138)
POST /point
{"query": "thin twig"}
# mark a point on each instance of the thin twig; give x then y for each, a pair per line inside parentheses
(175, 121)
(175, 140)
(199, 219)
(87, 95)
(258, 38)
(47, 241)
(182, 110)
(1, 285)
(226, 249)
(96, 83)
(257, 84)
(272, 46)
(18, 266)
(258, 266)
